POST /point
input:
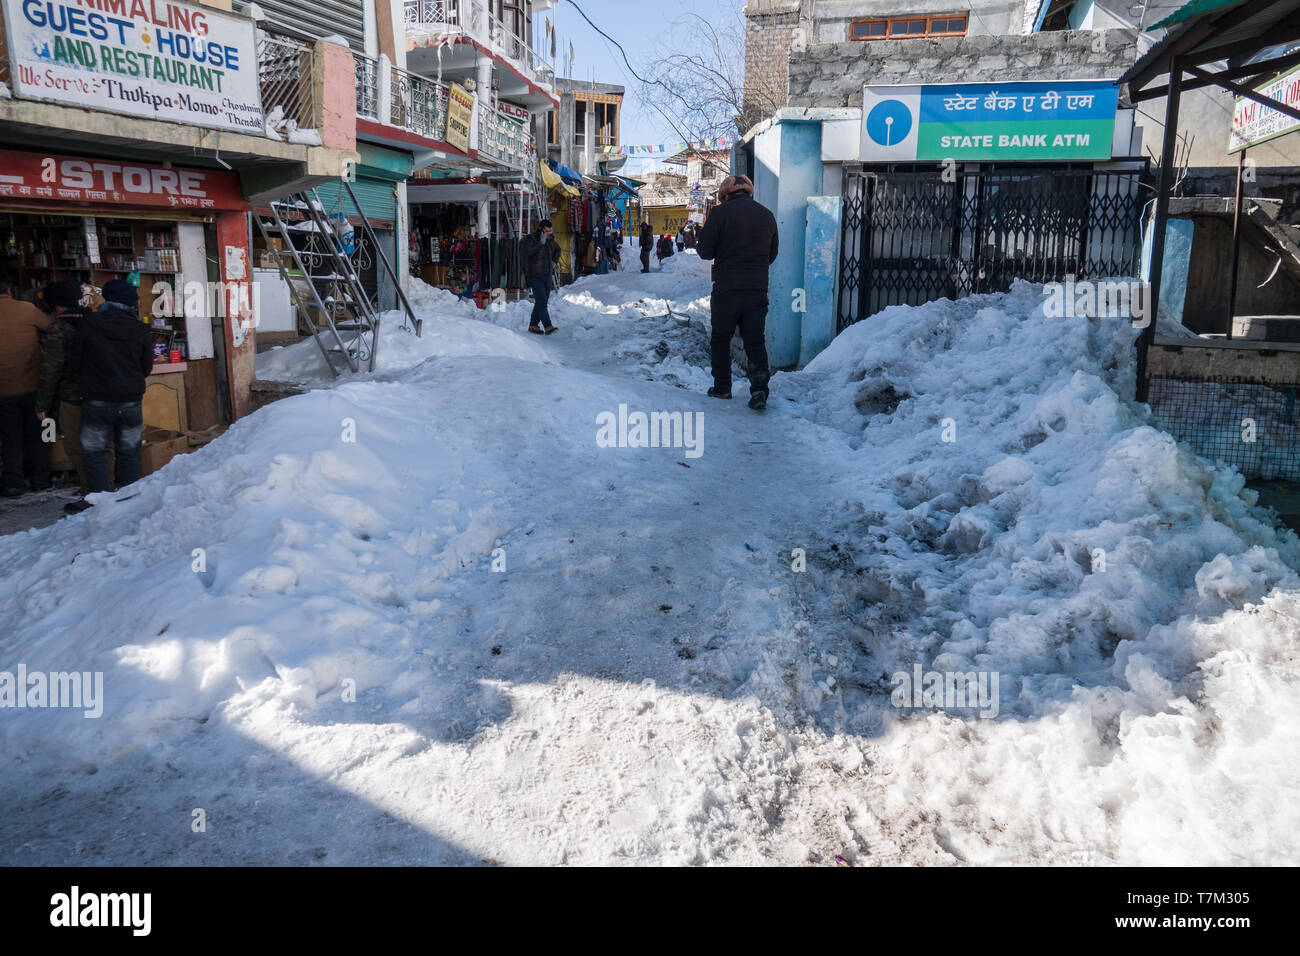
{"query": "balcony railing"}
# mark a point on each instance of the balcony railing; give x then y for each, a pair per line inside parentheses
(475, 19)
(367, 86)
(503, 139)
(285, 71)
(419, 104)
(4, 59)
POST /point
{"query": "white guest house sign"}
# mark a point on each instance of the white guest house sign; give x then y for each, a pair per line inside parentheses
(149, 58)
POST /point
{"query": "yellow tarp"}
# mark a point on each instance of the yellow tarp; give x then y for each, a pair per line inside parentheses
(551, 180)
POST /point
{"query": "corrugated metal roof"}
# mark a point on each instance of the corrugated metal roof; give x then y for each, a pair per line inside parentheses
(1192, 10)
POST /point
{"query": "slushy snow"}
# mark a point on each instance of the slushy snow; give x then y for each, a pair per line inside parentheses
(471, 634)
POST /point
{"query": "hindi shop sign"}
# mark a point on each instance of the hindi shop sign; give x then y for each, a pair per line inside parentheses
(40, 178)
(149, 58)
(460, 109)
(1253, 122)
(1067, 120)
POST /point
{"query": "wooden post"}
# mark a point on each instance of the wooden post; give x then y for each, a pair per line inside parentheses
(1236, 244)
(1165, 186)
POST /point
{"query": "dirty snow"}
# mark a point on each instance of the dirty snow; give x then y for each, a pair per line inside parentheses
(648, 680)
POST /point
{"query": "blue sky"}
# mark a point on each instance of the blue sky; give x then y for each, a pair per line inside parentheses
(643, 27)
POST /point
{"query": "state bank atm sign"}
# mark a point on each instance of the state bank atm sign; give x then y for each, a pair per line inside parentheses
(1066, 120)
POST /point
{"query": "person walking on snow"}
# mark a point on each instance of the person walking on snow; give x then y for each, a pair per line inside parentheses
(740, 239)
(539, 252)
(647, 244)
(665, 249)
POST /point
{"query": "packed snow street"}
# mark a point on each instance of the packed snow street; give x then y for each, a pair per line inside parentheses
(426, 618)
(745, 434)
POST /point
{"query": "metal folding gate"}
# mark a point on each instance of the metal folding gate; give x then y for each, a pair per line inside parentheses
(911, 235)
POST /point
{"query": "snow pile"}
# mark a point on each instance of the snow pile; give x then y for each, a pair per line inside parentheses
(432, 609)
(449, 330)
(1014, 516)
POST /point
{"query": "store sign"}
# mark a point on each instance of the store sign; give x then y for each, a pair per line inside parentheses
(37, 177)
(149, 58)
(1253, 122)
(460, 109)
(519, 113)
(1066, 120)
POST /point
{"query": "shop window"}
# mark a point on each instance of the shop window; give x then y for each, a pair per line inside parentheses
(907, 28)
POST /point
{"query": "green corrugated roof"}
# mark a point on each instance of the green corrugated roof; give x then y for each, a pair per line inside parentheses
(1194, 9)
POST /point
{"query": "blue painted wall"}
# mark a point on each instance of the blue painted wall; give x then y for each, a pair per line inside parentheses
(788, 171)
(821, 274)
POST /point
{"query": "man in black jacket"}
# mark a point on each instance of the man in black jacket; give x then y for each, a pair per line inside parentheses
(647, 245)
(740, 237)
(115, 355)
(539, 252)
(59, 393)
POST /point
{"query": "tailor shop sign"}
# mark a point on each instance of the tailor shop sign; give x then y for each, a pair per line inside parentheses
(148, 58)
(1066, 120)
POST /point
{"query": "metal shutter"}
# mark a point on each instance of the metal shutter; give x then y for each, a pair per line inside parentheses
(320, 18)
(377, 198)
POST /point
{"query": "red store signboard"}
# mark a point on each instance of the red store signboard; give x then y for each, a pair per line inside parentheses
(33, 177)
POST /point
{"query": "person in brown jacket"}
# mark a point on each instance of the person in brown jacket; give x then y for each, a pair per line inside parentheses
(20, 369)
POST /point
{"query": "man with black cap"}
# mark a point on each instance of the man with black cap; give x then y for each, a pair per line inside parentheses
(115, 356)
(740, 237)
(647, 245)
(538, 253)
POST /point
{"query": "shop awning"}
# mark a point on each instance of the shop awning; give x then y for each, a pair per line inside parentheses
(567, 174)
(552, 180)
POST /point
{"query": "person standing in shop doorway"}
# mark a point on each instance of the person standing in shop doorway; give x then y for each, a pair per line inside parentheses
(539, 253)
(740, 238)
(59, 394)
(20, 368)
(115, 355)
(647, 245)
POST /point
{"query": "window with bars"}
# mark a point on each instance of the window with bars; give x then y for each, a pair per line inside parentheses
(904, 28)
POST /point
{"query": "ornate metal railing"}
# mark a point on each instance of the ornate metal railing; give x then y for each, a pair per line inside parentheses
(503, 139)
(4, 58)
(367, 86)
(475, 19)
(285, 73)
(419, 104)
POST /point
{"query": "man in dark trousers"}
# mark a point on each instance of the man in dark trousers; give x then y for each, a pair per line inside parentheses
(115, 355)
(20, 370)
(59, 394)
(539, 252)
(740, 238)
(647, 245)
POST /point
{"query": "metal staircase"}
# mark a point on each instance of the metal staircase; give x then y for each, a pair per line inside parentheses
(524, 204)
(323, 280)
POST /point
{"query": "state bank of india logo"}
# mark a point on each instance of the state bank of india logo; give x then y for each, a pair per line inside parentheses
(889, 122)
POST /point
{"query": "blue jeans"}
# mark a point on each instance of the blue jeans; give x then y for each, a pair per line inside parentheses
(541, 286)
(121, 423)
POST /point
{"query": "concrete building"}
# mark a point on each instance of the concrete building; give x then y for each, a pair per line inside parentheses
(150, 176)
(457, 87)
(583, 133)
(814, 161)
